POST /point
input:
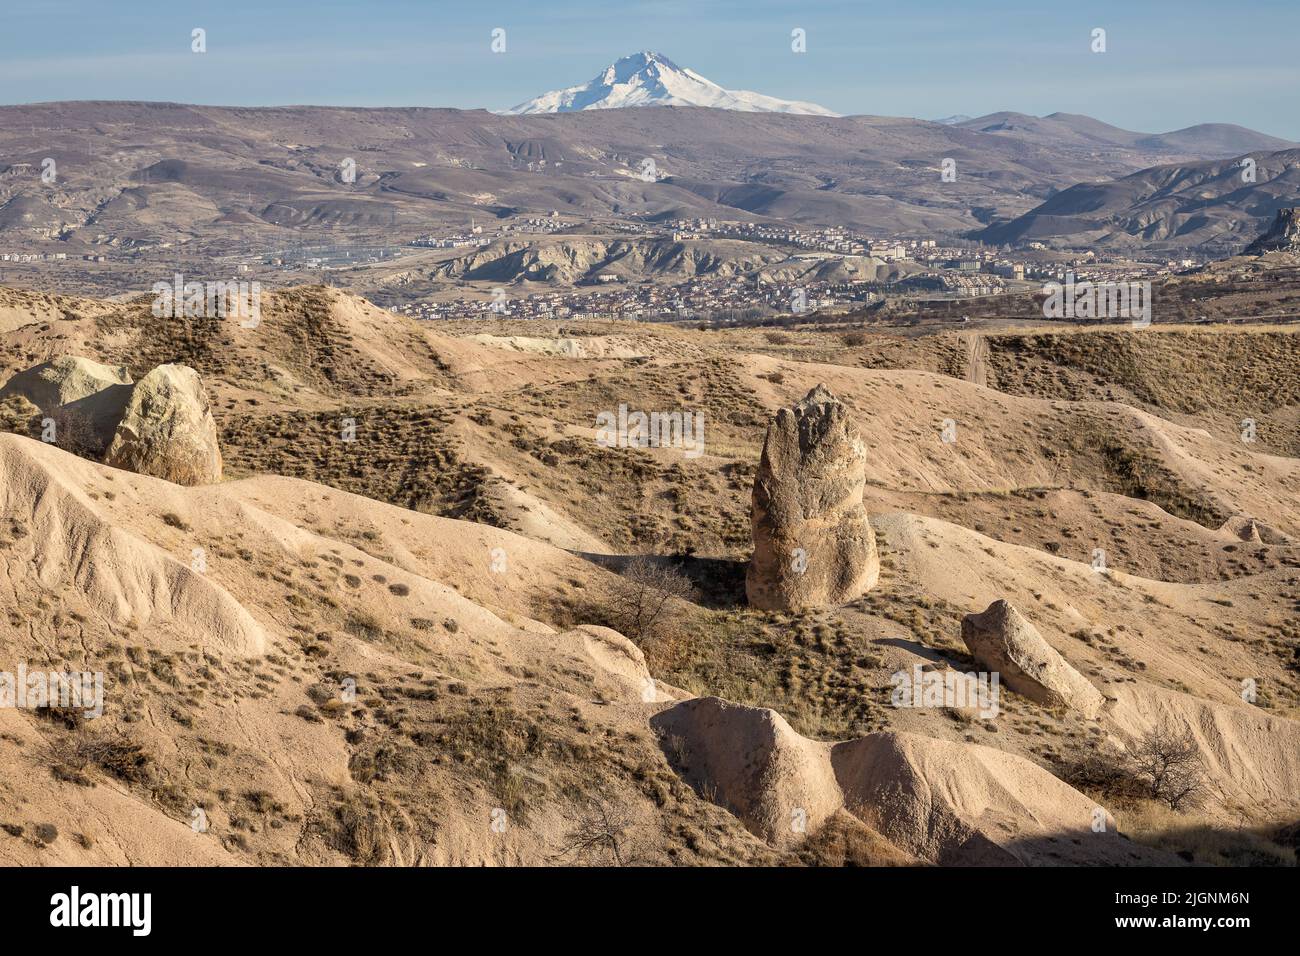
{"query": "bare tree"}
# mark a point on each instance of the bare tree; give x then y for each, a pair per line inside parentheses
(74, 432)
(1169, 763)
(599, 835)
(642, 596)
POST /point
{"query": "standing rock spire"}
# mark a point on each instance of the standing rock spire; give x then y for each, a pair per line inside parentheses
(813, 545)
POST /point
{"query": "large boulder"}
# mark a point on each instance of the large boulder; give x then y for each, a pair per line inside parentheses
(1001, 640)
(168, 430)
(86, 399)
(813, 544)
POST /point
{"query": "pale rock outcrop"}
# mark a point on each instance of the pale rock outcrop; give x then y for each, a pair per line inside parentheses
(1002, 640)
(1282, 236)
(813, 544)
(85, 398)
(938, 801)
(123, 577)
(168, 430)
(66, 379)
(1252, 756)
(1243, 527)
(749, 760)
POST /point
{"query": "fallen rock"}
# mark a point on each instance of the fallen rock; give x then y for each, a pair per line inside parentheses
(1002, 640)
(813, 544)
(168, 430)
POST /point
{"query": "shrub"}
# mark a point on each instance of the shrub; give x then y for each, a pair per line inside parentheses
(116, 756)
(1170, 764)
(638, 607)
(599, 835)
(19, 415)
(1163, 765)
(364, 624)
(361, 833)
(73, 432)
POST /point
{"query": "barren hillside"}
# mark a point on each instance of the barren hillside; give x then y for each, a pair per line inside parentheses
(410, 625)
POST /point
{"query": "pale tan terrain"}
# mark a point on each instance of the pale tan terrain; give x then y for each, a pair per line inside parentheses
(460, 561)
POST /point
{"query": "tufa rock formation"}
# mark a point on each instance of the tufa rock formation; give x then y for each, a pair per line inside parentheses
(813, 545)
(781, 785)
(1243, 527)
(86, 400)
(66, 379)
(939, 802)
(1282, 236)
(168, 430)
(1001, 640)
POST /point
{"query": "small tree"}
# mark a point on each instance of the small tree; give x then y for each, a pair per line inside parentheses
(1169, 763)
(642, 595)
(74, 432)
(599, 835)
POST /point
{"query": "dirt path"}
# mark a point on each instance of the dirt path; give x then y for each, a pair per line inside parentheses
(977, 357)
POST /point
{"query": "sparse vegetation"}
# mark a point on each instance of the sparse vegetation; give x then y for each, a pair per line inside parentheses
(640, 606)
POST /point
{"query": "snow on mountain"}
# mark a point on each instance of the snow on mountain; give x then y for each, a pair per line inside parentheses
(649, 79)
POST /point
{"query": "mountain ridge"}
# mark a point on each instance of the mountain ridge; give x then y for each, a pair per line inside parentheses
(1221, 201)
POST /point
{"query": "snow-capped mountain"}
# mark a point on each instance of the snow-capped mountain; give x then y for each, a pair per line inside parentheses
(649, 79)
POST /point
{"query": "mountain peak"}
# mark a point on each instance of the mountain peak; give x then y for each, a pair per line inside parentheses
(648, 78)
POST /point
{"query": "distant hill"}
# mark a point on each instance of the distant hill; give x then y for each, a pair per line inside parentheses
(1186, 204)
(1208, 140)
(143, 178)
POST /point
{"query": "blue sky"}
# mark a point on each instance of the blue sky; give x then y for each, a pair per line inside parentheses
(1169, 63)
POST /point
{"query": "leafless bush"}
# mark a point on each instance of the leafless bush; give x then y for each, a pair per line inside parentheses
(74, 432)
(1110, 776)
(1169, 762)
(642, 597)
(600, 835)
(79, 750)
(1163, 765)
